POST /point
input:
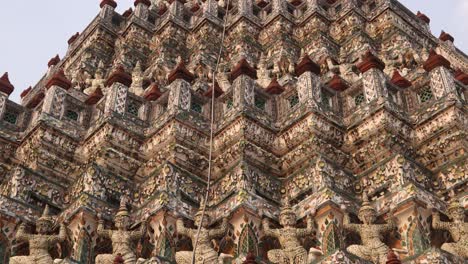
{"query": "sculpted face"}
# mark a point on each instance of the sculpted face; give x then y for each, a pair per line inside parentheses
(122, 223)
(458, 215)
(43, 227)
(288, 220)
(205, 223)
(368, 217)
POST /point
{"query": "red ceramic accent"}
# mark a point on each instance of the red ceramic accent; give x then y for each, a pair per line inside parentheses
(162, 9)
(119, 75)
(337, 84)
(36, 100)
(180, 72)
(217, 89)
(5, 84)
(296, 2)
(128, 13)
(305, 65)
(370, 61)
(94, 97)
(119, 259)
(243, 68)
(250, 259)
(392, 258)
(145, 2)
(262, 3)
(444, 36)
(59, 79)
(153, 93)
(73, 38)
(435, 60)
(423, 17)
(195, 7)
(25, 92)
(400, 81)
(462, 77)
(111, 3)
(274, 87)
(54, 61)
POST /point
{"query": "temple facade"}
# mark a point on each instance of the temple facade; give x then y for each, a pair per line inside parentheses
(339, 136)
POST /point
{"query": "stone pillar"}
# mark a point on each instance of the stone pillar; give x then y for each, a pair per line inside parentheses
(308, 85)
(142, 9)
(243, 84)
(180, 95)
(55, 95)
(118, 84)
(107, 9)
(6, 88)
(373, 78)
(442, 80)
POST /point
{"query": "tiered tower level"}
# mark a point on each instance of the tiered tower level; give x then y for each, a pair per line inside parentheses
(316, 102)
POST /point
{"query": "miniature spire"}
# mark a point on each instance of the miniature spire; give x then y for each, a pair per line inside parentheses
(144, 2)
(423, 17)
(59, 79)
(444, 36)
(370, 61)
(217, 90)
(45, 215)
(243, 68)
(54, 61)
(111, 3)
(119, 75)
(274, 87)
(73, 38)
(399, 80)
(94, 97)
(25, 92)
(435, 60)
(337, 84)
(366, 206)
(153, 92)
(305, 65)
(5, 84)
(180, 72)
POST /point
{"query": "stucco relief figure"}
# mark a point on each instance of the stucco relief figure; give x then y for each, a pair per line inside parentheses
(39, 244)
(291, 251)
(458, 229)
(372, 248)
(122, 239)
(204, 252)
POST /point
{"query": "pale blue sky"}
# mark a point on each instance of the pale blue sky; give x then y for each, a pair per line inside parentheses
(34, 31)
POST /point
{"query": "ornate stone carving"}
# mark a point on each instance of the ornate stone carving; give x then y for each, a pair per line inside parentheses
(291, 252)
(458, 229)
(122, 238)
(372, 248)
(39, 244)
(204, 252)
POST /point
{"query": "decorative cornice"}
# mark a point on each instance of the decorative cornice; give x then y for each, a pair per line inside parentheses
(5, 84)
(243, 68)
(180, 72)
(59, 79)
(307, 65)
(337, 83)
(399, 80)
(119, 75)
(370, 61)
(274, 87)
(435, 60)
(153, 92)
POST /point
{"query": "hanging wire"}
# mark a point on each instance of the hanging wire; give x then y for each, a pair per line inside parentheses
(210, 155)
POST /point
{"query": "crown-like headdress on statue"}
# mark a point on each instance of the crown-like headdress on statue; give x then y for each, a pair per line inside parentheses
(454, 206)
(45, 218)
(123, 211)
(366, 207)
(286, 208)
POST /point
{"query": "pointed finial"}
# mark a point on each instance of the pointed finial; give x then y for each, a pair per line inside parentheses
(5, 84)
(123, 211)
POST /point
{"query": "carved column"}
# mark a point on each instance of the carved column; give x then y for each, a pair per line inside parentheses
(373, 78)
(442, 80)
(308, 86)
(142, 9)
(243, 84)
(54, 99)
(6, 88)
(179, 85)
(107, 9)
(118, 84)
